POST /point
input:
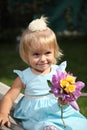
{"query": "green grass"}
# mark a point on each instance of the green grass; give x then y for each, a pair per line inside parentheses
(82, 102)
(9, 60)
(75, 52)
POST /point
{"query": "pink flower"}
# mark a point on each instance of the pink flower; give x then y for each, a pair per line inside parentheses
(64, 85)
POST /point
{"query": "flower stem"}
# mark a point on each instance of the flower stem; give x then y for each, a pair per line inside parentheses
(62, 116)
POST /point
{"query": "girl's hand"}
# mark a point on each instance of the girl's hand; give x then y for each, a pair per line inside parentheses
(62, 102)
(4, 120)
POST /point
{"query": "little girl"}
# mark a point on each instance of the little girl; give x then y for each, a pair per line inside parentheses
(38, 109)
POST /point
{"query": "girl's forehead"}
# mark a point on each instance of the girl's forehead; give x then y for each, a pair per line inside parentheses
(37, 47)
(41, 50)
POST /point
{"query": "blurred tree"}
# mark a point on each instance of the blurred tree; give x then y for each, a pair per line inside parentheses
(68, 17)
(63, 15)
(82, 17)
(22, 10)
(4, 14)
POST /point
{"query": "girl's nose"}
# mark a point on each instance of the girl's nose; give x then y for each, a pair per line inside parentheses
(43, 58)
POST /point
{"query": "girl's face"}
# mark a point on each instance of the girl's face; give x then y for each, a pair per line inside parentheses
(41, 60)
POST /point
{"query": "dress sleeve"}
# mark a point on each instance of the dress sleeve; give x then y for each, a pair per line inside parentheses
(63, 65)
(20, 74)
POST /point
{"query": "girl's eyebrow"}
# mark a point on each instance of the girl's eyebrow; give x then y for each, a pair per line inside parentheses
(36, 53)
(42, 51)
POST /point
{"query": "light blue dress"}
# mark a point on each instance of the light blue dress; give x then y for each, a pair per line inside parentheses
(38, 108)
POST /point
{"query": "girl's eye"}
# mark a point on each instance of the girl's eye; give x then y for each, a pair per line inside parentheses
(49, 52)
(36, 54)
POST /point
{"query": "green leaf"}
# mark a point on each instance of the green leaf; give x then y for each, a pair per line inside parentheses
(50, 91)
(49, 83)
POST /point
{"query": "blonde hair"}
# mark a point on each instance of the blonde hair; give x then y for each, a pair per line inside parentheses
(38, 40)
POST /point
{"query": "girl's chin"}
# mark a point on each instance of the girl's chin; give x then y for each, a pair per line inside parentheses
(36, 70)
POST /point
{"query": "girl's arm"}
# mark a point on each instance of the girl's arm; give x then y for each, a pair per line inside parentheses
(8, 100)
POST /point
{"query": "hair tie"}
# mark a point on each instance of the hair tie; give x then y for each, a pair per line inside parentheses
(38, 24)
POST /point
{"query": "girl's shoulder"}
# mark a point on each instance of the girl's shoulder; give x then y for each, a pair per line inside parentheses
(62, 66)
(23, 74)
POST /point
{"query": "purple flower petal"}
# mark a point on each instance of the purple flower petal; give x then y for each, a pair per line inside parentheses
(74, 105)
(60, 74)
(54, 80)
(55, 91)
(77, 94)
(69, 98)
(79, 85)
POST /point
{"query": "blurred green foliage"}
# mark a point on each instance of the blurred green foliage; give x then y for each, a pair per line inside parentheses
(63, 15)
